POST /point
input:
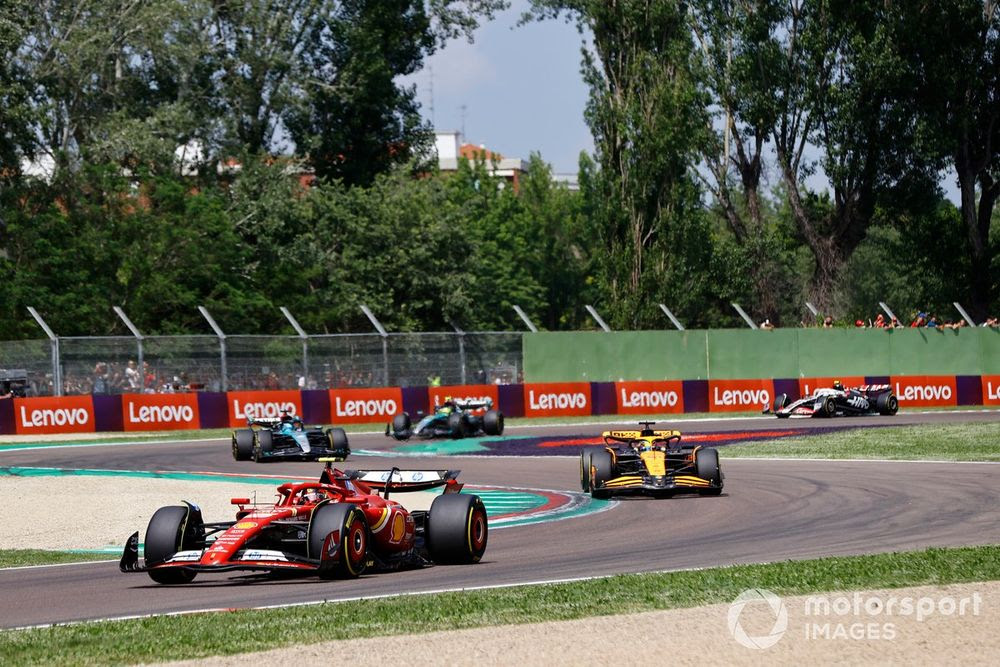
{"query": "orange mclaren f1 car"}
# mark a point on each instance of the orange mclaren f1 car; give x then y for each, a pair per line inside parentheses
(649, 462)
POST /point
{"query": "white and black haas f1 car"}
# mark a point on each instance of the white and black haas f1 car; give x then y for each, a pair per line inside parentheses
(649, 462)
(455, 418)
(337, 527)
(288, 439)
(838, 401)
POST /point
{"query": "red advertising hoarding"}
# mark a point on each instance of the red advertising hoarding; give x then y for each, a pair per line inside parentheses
(925, 390)
(245, 405)
(739, 395)
(160, 412)
(67, 414)
(364, 406)
(991, 389)
(557, 399)
(643, 398)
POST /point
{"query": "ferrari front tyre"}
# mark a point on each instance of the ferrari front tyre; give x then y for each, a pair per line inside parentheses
(263, 446)
(172, 529)
(243, 444)
(337, 438)
(346, 525)
(706, 462)
(493, 422)
(401, 426)
(887, 404)
(457, 529)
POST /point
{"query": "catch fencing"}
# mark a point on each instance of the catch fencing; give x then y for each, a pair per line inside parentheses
(68, 366)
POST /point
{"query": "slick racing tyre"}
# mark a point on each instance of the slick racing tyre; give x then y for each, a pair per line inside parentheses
(887, 404)
(780, 401)
(585, 466)
(457, 529)
(707, 465)
(348, 523)
(493, 422)
(243, 444)
(337, 438)
(263, 446)
(602, 468)
(172, 529)
(829, 407)
(457, 425)
(401, 426)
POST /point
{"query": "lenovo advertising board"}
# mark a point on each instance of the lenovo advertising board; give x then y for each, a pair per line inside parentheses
(925, 390)
(739, 395)
(160, 412)
(645, 398)
(244, 405)
(364, 406)
(557, 399)
(67, 414)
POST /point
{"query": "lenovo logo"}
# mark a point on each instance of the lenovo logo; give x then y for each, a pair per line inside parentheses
(365, 408)
(991, 393)
(648, 399)
(924, 392)
(741, 397)
(53, 417)
(556, 401)
(262, 410)
(151, 414)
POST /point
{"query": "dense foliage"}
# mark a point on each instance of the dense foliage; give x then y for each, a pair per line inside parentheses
(767, 152)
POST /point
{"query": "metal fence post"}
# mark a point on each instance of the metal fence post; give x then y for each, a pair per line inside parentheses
(222, 346)
(597, 318)
(887, 311)
(666, 311)
(524, 318)
(138, 343)
(385, 342)
(746, 318)
(461, 348)
(57, 388)
(305, 344)
(964, 314)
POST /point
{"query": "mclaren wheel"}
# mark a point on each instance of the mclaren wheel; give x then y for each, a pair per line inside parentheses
(602, 469)
(493, 422)
(347, 528)
(172, 529)
(707, 465)
(887, 404)
(457, 529)
(243, 444)
(401, 426)
(263, 445)
(585, 467)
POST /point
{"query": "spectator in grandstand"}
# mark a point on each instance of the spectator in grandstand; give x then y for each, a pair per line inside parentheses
(991, 322)
(133, 380)
(828, 322)
(766, 325)
(879, 322)
(859, 324)
(919, 321)
(101, 378)
(932, 321)
(896, 323)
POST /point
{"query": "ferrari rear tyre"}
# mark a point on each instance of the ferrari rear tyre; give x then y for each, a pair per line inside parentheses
(401, 426)
(348, 523)
(457, 529)
(493, 422)
(243, 444)
(887, 404)
(263, 446)
(172, 529)
(457, 425)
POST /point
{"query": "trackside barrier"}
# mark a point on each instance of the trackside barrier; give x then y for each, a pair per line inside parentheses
(166, 412)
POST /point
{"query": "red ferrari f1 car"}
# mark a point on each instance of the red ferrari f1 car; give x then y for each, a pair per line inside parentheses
(337, 527)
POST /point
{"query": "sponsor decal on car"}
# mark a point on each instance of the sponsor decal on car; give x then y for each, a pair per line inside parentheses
(739, 395)
(646, 397)
(68, 414)
(557, 399)
(245, 525)
(925, 390)
(263, 554)
(159, 412)
(245, 405)
(362, 406)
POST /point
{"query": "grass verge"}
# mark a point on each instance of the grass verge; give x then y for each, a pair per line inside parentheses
(945, 442)
(203, 635)
(23, 557)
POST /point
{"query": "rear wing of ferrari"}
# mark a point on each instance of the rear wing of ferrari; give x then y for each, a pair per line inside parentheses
(395, 479)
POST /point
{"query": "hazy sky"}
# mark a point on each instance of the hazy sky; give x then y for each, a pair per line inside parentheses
(520, 86)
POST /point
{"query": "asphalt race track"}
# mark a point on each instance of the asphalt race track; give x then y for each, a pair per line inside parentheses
(772, 510)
